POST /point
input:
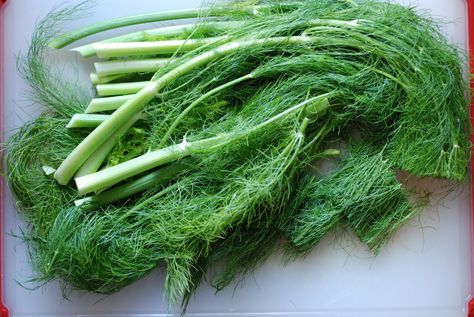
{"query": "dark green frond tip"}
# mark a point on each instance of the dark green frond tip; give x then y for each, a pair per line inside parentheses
(241, 252)
(314, 215)
(427, 148)
(379, 206)
(48, 85)
(431, 135)
(363, 192)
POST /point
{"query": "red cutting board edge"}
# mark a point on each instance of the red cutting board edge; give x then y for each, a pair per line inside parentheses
(470, 14)
(3, 309)
(470, 18)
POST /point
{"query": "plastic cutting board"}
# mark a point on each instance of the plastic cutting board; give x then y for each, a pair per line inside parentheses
(425, 270)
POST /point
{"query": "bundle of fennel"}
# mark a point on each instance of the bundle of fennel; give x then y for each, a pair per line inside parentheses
(196, 149)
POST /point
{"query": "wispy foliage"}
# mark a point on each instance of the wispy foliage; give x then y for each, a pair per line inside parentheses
(380, 69)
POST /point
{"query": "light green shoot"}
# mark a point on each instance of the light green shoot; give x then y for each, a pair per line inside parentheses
(198, 101)
(130, 66)
(82, 120)
(116, 89)
(140, 184)
(117, 173)
(75, 35)
(107, 103)
(108, 50)
(96, 79)
(96, 138)
(167, 31)
(94, 162)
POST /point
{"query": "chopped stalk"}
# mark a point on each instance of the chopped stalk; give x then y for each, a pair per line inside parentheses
(130, 66)
(94, 162)
(96, 138)
(82, 120)
(99, 135)
(122, 171)
(115, 174)
(86, 120)
(107, 103)
(120, 88)
(107, 50)
(198, 101)
(73, 36)
(167, 31)
(48, 170)
(140, 184)
(96, 79)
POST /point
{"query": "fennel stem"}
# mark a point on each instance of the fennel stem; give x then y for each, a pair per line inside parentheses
(108, 50)
(130, 66)
(115, 174)
(140, 184)
(199, 100)
(96, 79)
(166, 32)
(96, 138)
(75, 35)
(82, 120)
(116, 89)
(107, 103)
(97, 158)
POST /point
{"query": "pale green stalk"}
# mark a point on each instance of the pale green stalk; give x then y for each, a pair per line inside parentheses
(83, 120)
(108, 50)
(96, 138)
(122, 171)
(107, 103)
(167, 31)
(75, 35)
(340, 23)
(72, 36)
(120, 88)
(48, 170)
(94, 162)
(130, 66)
(140, 184)
(87, 120)
(198, 101)
(115, 174)
(99, 135)
(96, 79)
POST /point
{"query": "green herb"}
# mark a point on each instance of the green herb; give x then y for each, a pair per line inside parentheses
(216, 169)
(363, 192)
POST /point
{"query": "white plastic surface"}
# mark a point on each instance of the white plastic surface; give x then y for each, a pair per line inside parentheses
(424, 271)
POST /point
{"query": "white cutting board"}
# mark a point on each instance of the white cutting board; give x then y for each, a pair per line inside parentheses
(424, 271)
